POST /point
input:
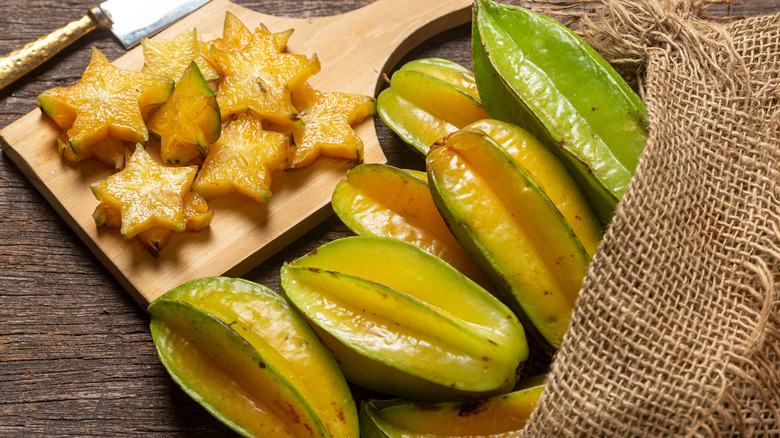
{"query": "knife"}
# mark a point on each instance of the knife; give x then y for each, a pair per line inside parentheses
(128, 20)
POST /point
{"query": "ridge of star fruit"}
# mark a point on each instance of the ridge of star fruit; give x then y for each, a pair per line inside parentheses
(170, 57)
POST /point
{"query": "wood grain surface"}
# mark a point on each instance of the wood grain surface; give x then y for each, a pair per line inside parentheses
(76, 356)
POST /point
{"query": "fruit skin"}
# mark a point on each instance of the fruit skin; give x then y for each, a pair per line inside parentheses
(551, 175)
(536, 73)
(381, 200)
(511, 229)
(427, 333)
(235, 325)
(499, 416)
(189, 121)
(428, 99)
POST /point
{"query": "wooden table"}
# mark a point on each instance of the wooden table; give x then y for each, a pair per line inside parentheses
(76, 356)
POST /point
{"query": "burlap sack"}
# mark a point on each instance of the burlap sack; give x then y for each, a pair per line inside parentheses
(677, 329)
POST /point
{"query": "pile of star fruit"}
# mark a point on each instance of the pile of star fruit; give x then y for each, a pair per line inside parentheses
(263, 116)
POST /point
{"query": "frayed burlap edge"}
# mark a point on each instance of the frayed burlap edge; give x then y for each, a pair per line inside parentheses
(677, 329)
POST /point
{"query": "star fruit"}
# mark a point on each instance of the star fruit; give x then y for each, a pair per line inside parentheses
(172, 56)
(146, 194)
(327, 128)
(189, 121)
(242, 160)
(106, 102)
(258, 79)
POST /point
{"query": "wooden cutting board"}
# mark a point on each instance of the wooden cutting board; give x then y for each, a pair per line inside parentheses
(354, 48)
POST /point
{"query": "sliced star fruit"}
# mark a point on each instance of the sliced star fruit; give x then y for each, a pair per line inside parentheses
(327, 128)
(146, 194)
(105, 102)
(109, 151)
(259, 78)
(235, 35)
(189, 121)
(242, 352)
(403, 322)
(197, 216)
(242, 161)
(171, 57)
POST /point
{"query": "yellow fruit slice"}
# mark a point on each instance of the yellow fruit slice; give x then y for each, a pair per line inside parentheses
(235, 35)
(106, 101)
(108, 151)
(189, 121)
(242, 160)
(196, 215)
(259, 78)
(171, 57)
(328, 119)
(146, 194)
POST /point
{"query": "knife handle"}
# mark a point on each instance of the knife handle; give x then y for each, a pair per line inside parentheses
(22, 61)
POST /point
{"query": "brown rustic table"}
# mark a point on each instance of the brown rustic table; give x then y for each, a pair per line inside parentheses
(76, 356)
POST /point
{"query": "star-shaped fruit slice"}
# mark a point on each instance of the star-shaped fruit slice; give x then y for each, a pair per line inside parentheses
(109, 151)
(235, 35)
(105, 102)
(171, 57)
(242, 161)
(327, 128)
(146, 194)
(189, 121)
(259, 78)
(196, 215)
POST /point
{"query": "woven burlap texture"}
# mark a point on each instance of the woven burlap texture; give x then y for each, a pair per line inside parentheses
(677, 328)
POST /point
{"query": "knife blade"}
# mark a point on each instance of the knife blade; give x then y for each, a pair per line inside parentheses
(132, 20)
(128, 20)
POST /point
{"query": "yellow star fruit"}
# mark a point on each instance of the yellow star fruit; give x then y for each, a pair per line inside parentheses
(242, 160)
(146, 194)
(171, 57)
(328, 119)
(105, 102)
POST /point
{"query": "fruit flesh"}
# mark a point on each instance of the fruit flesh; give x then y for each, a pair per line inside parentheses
(106, 101)
(511, 228)
(146, 194)
(189, 121)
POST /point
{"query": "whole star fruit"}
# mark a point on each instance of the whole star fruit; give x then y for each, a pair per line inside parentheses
(243, 353)
(105, 102)
(427, 99)
(511, 228)
(551, 176)
(498, 416)
(381, 200)
(427, 333)
(536, 73)
(189, 121)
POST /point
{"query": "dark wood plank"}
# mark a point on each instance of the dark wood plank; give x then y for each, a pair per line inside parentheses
(76, 356)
